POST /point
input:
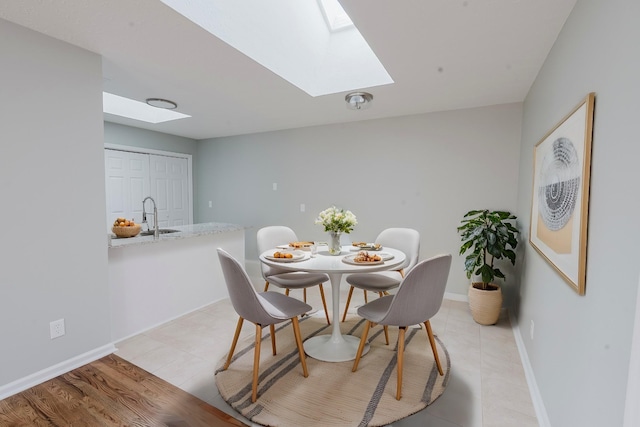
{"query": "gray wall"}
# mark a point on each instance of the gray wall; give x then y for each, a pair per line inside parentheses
(422, 171)
(581, 349)
(115, 133)
(53, 256)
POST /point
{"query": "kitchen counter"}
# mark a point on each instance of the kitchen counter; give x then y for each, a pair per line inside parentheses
(184, 232)
(154, 281)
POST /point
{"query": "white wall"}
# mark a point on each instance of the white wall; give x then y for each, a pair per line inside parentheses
(581, 348)
(422, 171)
(53, 256)
(152, 284)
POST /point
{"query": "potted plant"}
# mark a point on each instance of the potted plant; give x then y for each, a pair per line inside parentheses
(490, 236)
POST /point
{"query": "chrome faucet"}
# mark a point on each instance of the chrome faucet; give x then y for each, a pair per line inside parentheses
(155, 217)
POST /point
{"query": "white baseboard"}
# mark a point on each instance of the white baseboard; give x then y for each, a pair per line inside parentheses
(163, 322)
(456, 297)
(54, 371)
(536, 397)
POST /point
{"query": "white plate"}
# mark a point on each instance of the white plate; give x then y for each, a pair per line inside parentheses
(291, 248)
(367, 247)
(349, 260)
(386, 256)
(297, 256)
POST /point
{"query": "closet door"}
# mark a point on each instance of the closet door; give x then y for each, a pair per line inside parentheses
(127, 184)
(169, 177)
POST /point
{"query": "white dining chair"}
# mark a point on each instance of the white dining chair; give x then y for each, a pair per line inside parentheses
(269, 238)
(405, 239)
(261, 309)
(418, 299)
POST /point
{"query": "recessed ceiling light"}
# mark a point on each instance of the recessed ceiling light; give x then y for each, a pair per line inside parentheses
(136, 110)
(162, 103)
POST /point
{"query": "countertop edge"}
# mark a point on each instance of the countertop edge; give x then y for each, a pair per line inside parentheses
(184, 232)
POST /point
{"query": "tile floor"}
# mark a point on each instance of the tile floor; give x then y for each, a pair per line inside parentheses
(487, 387)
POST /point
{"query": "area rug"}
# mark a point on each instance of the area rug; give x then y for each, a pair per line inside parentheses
(332, 395)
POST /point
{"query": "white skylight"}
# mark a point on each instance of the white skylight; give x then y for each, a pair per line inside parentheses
(129, 108)
(292, 39)
(334, 15)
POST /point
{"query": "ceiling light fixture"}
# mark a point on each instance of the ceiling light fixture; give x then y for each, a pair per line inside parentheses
(358, 100)
(162, 103)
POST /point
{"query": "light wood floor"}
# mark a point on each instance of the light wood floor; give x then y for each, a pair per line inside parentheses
(109, 392)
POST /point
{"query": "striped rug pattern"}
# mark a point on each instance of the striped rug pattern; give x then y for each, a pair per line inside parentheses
(332, 395)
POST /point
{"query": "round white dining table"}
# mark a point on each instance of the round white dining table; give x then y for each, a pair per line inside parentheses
(334, 347)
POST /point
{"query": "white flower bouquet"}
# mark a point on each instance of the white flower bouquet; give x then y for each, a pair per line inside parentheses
(338, 220)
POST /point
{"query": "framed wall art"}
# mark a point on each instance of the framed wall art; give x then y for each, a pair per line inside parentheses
(560, 197)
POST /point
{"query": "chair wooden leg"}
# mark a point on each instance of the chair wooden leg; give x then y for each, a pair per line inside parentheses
(256, 364)
(401, 271)
(432, 341)
(380, 294)
(324, 303)
(298, 336)
(400, 360)
(266, 286)
(366, 300)
(233, 344)
(386, 333)
(304, 295)
(286, 292)
(272, 332)
(346, 307)
(363, 341)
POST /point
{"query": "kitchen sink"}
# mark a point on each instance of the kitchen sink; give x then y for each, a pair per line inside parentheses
(160, 231)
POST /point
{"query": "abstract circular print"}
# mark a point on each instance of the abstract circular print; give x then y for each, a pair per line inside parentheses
(559, 184)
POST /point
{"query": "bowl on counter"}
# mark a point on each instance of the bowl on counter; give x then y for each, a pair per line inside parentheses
(128, 231)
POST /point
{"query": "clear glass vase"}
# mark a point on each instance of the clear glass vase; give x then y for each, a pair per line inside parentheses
(334, 242)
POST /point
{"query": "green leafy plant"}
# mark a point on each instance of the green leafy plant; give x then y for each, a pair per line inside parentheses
(490, 235)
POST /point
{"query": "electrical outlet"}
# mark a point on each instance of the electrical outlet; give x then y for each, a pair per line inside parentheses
(275, 186)
(531, 329)
(56, 328)
(302, 207)
(210, 204)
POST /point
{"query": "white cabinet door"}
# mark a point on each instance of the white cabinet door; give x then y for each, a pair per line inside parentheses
(169, 177)
(127, 184)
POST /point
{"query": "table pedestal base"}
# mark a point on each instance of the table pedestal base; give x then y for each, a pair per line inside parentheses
(328, 349)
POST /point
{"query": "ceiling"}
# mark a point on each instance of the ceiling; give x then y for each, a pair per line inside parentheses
(442, 55)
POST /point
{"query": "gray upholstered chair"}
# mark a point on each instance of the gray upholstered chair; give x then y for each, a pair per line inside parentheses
(418, 299)
(405, 239)
(262, 309)
(269, 238)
